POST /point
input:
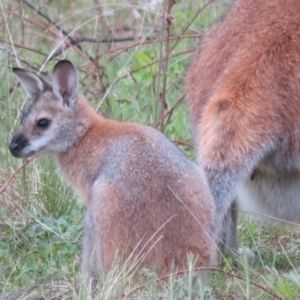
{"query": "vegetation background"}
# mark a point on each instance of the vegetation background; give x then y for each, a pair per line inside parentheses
(132, 56)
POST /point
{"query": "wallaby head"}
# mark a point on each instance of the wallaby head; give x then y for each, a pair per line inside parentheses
(48, 122)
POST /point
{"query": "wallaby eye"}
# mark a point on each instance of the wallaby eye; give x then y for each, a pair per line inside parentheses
(43, 123)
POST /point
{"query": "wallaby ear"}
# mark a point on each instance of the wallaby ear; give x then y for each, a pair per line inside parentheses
(65, 81)
(32, 83)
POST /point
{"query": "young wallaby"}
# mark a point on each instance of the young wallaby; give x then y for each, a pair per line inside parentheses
(243, 92)
(143, 195)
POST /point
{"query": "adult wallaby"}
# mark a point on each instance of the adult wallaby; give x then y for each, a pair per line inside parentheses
(143, 195)
(244, 99)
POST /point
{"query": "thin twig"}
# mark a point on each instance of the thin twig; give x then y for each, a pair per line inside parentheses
(171, 110)
(78, 40)
(146, 40)
(160, 61)
(12, 53)
(12, 176)
(46, 17)
(140, 41)
(200, 10)
(149, 40)
(104, 26)
(23, 47)
(165, 63)
(67, 43)
(64, 32)
(153, 63)
(183, 143)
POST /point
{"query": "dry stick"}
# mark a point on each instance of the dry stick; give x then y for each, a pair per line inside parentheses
(141, 40)
(200, 10)
(22, 24)
(183, 143)
(83, 39)
(23, 47)
(160, 60)
(100, 14)
(11, 53)
(79, 40)
(106, 32)
(149, 40)
(11, 177)
(173, 84)
(67, 43)
(168, 51)
(171, 111)
(64, 32)
(152, 63)
(165, 64)
(189, 24)
(145, 41)
(186, 28)
(265, 289)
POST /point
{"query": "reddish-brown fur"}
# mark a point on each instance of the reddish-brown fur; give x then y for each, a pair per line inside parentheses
(144, 197)
(243, 92)
(187, 226)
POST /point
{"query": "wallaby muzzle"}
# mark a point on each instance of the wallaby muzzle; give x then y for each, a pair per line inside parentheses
(17, 144)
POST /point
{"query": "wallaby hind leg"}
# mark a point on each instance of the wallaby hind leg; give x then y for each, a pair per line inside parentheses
(229, 153)
(222, 185)
(228, 235)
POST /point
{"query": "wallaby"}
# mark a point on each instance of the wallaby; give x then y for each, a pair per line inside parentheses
(143, 195)
(243, 90)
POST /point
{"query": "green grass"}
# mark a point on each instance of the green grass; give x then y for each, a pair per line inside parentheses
(40, 217)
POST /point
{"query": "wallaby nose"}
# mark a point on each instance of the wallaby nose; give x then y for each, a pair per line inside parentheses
(17, 144)
(13, 146)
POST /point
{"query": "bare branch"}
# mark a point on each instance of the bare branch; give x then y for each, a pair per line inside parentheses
(153, 63)
(11, 53)
(64, 32)
(183, 143)
(200, 10)
(168, 18)
(12, 176)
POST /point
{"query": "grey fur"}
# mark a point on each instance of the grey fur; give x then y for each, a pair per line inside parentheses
(143, 195)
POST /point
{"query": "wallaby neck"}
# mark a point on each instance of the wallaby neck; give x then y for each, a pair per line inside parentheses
(81, 162)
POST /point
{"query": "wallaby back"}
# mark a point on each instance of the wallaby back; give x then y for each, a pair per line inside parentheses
(243, 93)
(144, 197)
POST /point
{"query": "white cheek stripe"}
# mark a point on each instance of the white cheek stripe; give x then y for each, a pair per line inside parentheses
(38, 144)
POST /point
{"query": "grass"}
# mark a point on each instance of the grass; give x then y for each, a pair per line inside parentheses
(40, 217)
